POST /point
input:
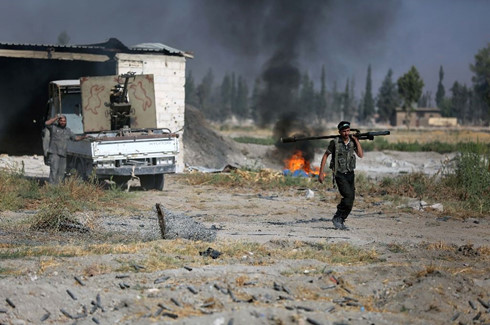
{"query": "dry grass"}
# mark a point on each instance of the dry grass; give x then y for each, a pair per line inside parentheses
(441, 246)
(397, 134)
(165, 254)
(427, 270)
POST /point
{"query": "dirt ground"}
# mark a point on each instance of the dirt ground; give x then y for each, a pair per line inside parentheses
(428, 267)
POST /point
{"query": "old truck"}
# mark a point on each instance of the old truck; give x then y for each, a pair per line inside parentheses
(118, 115)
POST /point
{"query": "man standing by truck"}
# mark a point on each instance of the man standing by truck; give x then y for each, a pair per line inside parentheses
(59, 136)
(343, 150)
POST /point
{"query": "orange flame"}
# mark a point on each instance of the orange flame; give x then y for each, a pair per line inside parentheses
(298, 162)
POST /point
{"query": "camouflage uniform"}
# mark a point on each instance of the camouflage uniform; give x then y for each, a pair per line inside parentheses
(343, 163)
(59, 137)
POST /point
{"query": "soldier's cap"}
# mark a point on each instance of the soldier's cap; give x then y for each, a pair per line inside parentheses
(343, 125)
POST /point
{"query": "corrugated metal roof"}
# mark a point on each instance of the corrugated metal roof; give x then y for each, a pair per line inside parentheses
(159, 47)
(68, 82)
(112, 45)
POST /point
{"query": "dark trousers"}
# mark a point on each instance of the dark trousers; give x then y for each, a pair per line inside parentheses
(57, 170)
(346, 186)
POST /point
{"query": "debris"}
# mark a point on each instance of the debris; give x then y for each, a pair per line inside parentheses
(472, 305)
(191, 289)
(312, 321)
(123, 285)
(214, 254)
(208, 304)
(174, 316)
(161, 219)
(445, 218)
(164, 307)
(80, 282)
(280, 287)
(98, 303)
(158, 312)
(477, 317)
(175, 302)
(138, 267)
(304, 308)
(484, 304)
(269, 197)
(45, 316)
(11, 304)
(310, 194)
(182, 226)
(71, 294)
(67, 314)
(161, 279)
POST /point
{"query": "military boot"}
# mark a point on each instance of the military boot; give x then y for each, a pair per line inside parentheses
(337, 222)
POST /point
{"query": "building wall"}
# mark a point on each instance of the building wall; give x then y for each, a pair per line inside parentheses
(169, 74)
(416, 118)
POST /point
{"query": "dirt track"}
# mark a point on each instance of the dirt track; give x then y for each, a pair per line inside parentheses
(417, 277)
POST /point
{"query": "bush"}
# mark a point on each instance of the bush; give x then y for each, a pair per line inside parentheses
(472, 176)
(16, 190)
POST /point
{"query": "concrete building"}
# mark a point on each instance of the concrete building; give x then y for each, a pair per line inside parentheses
(27, 70)
(417, 117)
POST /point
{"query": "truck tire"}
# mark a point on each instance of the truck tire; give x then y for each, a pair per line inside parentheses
(152, 182)
(159, 182)
(82, 166)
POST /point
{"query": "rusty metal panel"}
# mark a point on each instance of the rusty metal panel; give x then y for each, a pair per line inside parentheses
(141, 93)
(96, 93)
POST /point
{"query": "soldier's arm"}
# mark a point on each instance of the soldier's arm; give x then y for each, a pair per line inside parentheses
(52, 120)
(358, 149)
(321, 175)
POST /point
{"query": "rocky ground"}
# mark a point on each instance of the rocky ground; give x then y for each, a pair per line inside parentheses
(273, 257)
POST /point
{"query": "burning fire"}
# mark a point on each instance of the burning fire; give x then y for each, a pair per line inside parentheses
(298, 163)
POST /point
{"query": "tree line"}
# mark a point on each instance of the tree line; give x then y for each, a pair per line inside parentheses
(232, 97)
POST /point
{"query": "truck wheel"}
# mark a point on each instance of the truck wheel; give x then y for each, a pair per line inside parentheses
(152, 182)
(83, 168)
(159, 182)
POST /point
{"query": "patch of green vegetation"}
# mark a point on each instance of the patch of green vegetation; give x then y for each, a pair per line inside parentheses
(380, 143)
(466, 189)
(262, 141)
(16, 190)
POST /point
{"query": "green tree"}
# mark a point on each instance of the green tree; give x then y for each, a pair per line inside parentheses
(190, 90)
(460, 100)
(255, 100)
(368, 100)
(441, 92)
(241, 109)
(321, 106)
(481, 78)
(388, 99)
(410, 89)
(425, 100)
(204, 95)
(307, 95)
(226, 97)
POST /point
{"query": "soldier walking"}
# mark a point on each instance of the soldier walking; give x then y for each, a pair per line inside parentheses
(343, 150)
